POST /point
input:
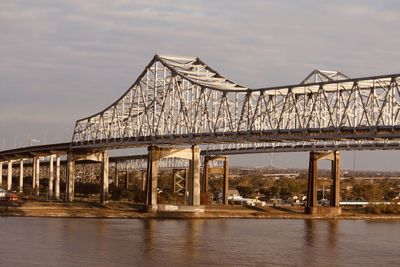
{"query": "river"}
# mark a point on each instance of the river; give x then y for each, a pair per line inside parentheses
(217, 242)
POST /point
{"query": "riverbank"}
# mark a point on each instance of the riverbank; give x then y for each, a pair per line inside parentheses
(128, 210)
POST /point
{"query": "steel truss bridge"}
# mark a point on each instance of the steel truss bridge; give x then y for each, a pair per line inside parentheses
(184, 101)
(181, 101)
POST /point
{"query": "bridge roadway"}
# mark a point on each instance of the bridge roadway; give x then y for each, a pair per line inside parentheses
(214, 149)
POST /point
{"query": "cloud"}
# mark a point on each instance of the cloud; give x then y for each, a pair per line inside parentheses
(62, 60)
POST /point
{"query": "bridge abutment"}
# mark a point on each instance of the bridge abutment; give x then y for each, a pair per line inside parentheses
(312, 201)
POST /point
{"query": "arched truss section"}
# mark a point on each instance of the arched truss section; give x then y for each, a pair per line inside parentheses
(183, 101)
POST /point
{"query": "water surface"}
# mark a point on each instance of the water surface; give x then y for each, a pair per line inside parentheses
(219, 242)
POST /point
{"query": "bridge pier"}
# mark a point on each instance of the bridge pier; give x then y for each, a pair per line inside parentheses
(194, 181)
(116, 178)
(51, 177)
(36, 175)
(21, 176)
(70, 185)
(33, 174)
(144, 180)
(57, 181)
(104, 178)
(152, 179)
(157, 153)
(9, 175)
(1, 173)
(224, 171)
(312, 203)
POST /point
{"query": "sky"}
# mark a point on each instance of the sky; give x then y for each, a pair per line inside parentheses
(65, 60)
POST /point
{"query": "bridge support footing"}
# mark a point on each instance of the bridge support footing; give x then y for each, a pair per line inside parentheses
(324, 211)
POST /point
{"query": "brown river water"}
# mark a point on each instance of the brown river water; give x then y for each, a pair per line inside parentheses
(215, 242)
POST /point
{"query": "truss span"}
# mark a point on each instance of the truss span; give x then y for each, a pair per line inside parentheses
(179, 100)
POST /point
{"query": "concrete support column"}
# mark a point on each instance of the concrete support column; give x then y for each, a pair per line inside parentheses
(57, 181)
(226, 181)
(335, 189)
(70, 185)
(312, 180)
(104, 178)
(144, 180)
(116, 178)
(37, 175)
(311, 207)
(1, 174)
(205, 175)
(33, 174)
(152, 177)
(21, 175)
(9, 175)
(51, 176)
(127, 180)
(194, 190)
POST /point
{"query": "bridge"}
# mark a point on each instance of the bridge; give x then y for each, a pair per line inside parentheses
(179, 107)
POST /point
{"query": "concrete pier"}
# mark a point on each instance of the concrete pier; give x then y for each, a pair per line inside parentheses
(51, 176)
(226, 182)
(9, 175)
(152, 177)
(101, 156)
(70, 184)
(224, 171)
(104, 178)
(33, 174)
(57, 181)
(21, 176)
(206, 174)
(312, 203)
(1, 174)
(116, 178)
(37, 175)
(154, 155)
(144, 180)
(194, 178)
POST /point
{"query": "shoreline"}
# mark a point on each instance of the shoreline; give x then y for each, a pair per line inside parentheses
(119, 210)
